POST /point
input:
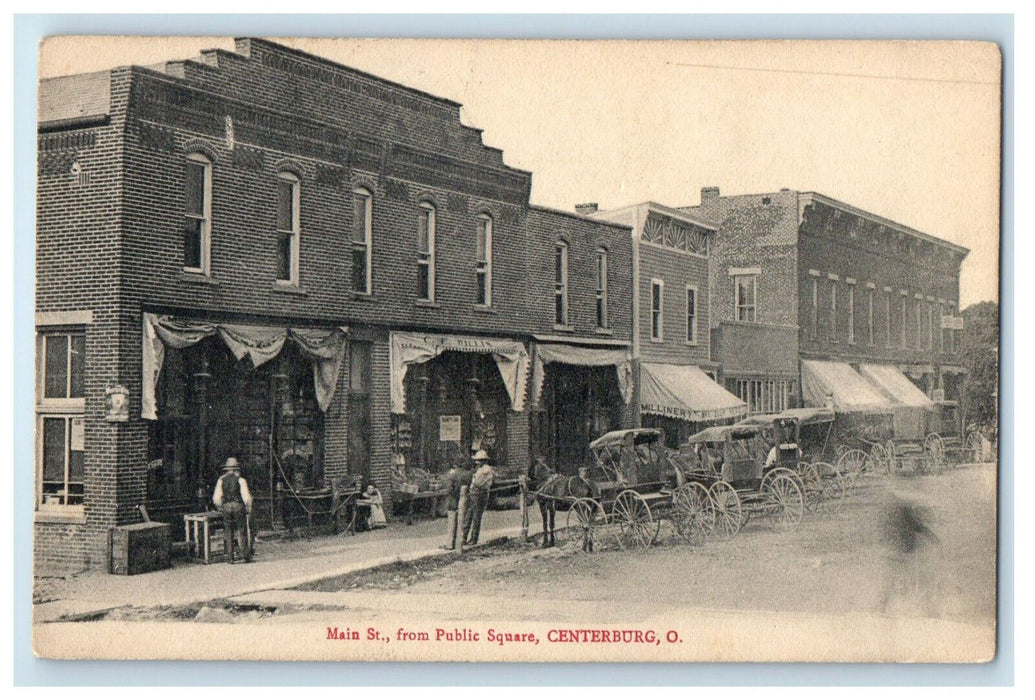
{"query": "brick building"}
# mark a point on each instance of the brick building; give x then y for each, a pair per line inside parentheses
(800, 278)
(671, 338)
(265, 254)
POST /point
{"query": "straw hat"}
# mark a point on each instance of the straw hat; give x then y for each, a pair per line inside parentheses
(481, 455)
(231, 464)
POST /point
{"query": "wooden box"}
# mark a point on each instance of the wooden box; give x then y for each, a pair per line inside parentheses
(137, 549)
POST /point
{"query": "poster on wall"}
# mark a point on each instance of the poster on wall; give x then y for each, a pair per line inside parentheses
(449, 428)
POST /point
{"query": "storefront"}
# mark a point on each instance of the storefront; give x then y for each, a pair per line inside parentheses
(682, 400)
(578, 393)
(215, 390)
(912, 409)
(451, 395)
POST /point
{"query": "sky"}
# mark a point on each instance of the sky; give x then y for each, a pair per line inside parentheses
(906, 130)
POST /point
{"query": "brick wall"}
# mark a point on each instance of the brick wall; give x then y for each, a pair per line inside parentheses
(676, 270)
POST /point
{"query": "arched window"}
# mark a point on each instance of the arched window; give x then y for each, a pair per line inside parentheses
(426, 252)
(197, 220)
(288, 201)
(362, 226)
(483, 262)
(561, 284)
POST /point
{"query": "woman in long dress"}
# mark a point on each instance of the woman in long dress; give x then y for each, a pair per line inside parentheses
(372, 499)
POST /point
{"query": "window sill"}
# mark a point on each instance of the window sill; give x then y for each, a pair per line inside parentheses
(604, 331)
(657, 340)
(483, 309)
(363, 296)
(690, 343)
(563, 328)
(74, 516)
(197, 278)
(426, 304)
(289, 288)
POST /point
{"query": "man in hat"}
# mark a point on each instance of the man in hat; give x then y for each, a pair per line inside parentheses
(234, 501)
(481, 485)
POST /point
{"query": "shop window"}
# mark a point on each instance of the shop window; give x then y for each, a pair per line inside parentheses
(288, 202)
(691, 314)
(426, 252)
(483, 262)
(362, 229)
(60, 419)
(601, 290)
(197, 223)
(746, 292)
(359, 408)
(762, 395)
(560, 284)
(657, 310)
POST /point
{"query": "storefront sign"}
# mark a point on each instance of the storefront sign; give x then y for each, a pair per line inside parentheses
(116, 404)
(449, 428)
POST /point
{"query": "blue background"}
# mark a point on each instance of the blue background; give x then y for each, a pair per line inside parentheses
(30, 29)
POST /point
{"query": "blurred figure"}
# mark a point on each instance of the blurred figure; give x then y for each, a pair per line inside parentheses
(909, 545)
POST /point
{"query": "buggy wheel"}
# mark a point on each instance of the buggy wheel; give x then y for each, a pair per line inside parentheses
(692, 514)
(889, 448)
(833, 485)
(637, 526)
(812, 486)
(729, 515)
(585, 519)
(934, 451)
(879, 459)
(851, 465)
(975, 446)
(773, 473)
(785, 504)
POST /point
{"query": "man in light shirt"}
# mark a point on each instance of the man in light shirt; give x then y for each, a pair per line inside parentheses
(234, 501)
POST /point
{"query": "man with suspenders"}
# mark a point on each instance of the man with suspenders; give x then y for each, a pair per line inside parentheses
(234, 501)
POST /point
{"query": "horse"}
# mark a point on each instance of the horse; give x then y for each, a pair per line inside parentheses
(547, 486)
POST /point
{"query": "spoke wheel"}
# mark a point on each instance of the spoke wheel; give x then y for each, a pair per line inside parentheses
(729, 514)
(851, 465)
(975, 445)
(934, 451)
(693, 516)
(586, 517)
(879, 459)
(785, 504)
(812, 486)
(834, 485)
(637, 526)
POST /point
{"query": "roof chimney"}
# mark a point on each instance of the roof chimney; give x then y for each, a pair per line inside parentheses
(586, 209)
(709, 193)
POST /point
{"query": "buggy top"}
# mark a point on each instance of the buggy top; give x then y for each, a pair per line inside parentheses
(630, 457)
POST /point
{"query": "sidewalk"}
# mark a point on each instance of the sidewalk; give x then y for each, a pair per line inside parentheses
(278, 564)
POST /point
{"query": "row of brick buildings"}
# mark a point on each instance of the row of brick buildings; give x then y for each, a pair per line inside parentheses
(265, 254)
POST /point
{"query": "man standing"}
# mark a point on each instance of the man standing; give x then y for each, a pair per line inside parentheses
(459, 476)
(234, 501)
(481, 484)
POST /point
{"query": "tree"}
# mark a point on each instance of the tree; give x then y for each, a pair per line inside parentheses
(980, 355)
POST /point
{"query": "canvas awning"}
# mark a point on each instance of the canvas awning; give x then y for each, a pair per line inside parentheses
(837, 381)
(408, 349)
(547, 353)
(324, 347)
(896, 386)
(685, 392)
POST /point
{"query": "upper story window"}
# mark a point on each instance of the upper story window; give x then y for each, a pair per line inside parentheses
(197, 224)
(426, 252)
(869, 316)
(691, 314)
(560, 284)
(362, 230)
(815, 308)
(833, 311)
(483, 262)
(851, 314)
(601, 289)
(657, 310)
(942, 345)
(931, 332)
(905, 312)
(60, 418)
(919, 324)
(288, 203)
(745, 297)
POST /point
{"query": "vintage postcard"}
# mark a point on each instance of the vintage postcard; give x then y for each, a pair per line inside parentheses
(434, 350)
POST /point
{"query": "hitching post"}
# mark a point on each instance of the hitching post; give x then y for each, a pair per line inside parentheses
(523, 483)
(461, 513)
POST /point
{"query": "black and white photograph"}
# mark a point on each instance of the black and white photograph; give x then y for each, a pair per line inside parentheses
(516, 350)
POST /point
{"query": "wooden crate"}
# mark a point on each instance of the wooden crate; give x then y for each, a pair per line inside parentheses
(137, 549)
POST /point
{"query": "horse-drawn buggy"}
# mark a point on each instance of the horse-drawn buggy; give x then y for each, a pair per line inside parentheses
(631, 487)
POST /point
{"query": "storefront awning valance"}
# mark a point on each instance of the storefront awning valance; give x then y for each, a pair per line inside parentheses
(837, 381)
(408, 349)
(324, 347)
(545, 353)
(896, 386)
(685, 392)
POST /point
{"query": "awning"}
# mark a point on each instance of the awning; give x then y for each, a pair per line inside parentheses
(685, 392)
(325, 348)
(837, 381)
(408, 349)
(546, 353)
(895, 385)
